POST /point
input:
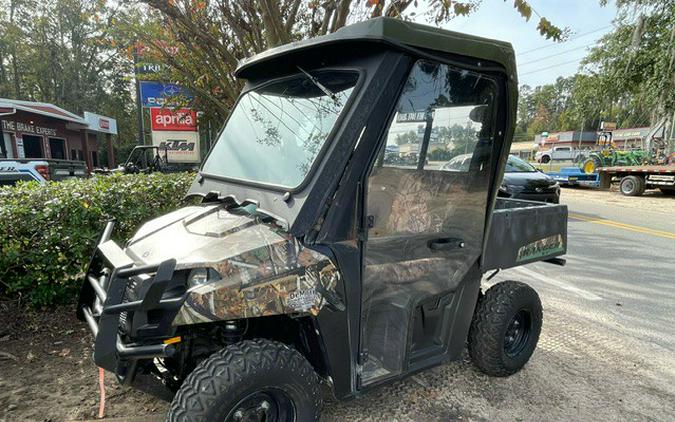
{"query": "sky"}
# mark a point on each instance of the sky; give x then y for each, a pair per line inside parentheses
(541, 61)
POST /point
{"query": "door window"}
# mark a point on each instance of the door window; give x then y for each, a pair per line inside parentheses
(425, 210)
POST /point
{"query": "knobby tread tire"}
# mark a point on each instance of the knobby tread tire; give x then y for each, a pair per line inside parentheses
(494, 311)
(221, 377)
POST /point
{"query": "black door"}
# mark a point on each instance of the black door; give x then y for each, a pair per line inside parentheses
(425, 210)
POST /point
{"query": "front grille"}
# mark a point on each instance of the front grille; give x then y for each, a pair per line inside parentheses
(130, 295)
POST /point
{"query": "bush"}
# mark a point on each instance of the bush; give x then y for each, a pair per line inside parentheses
(47, 233)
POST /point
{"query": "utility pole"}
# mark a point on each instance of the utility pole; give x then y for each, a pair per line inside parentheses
(139, 102)
(671, 138)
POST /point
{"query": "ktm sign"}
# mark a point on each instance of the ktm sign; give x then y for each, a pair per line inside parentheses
(174, 120)
(181, 147)
(177, 145)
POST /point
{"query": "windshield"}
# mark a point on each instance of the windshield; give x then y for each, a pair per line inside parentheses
(516, 165)
(276, 132)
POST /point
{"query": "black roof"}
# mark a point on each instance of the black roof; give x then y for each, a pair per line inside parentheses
(396, 34)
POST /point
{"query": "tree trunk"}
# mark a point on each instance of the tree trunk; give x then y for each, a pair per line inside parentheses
(275, 30)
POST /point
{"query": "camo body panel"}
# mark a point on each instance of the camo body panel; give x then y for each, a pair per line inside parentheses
(265, 285)
(263, 269)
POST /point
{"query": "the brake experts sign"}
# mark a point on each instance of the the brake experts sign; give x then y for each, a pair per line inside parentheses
(173, 120)
(181, 146)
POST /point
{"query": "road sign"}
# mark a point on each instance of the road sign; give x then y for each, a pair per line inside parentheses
(100, 123)
(155, 94)
(181, 147)
(416, 116)
(148, 68)
(162, 119)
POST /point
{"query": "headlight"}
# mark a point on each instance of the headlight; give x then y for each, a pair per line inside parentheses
(199, 276)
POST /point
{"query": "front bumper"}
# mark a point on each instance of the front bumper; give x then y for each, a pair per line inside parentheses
(103, 300)
(550, 197)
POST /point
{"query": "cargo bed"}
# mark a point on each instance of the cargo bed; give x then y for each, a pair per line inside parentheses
(524, 231)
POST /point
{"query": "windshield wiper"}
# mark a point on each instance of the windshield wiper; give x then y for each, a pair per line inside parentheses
(319, 85)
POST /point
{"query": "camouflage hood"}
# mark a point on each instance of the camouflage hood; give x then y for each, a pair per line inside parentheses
(201, 235)
(262, 269)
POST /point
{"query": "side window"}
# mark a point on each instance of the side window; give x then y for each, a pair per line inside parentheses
(443, 117)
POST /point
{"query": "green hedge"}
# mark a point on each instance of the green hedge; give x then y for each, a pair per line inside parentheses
(47, 232)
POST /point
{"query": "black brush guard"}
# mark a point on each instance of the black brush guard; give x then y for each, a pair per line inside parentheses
(102, 301)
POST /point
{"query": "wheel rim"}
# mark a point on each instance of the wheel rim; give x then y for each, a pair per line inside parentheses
(628, 186)
(517, 333)
(589, 167)
(270, 405)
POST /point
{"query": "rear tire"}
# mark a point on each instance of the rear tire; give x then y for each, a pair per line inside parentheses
(591, 165)
(246, 380)
(632, 186)
(505, 328)
(545, 159)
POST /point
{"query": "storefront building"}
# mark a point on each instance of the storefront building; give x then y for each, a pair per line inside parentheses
(623, 139)
(43, 130)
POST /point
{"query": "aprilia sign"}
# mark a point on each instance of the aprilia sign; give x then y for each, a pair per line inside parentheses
(173, 120)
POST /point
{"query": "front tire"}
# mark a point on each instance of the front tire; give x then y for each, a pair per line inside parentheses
(505, 328)
(250, 380)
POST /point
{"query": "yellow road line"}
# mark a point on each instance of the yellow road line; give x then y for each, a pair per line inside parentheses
(616, 224)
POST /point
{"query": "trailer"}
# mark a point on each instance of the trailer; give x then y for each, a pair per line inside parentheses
(633, 180)
(574, 176)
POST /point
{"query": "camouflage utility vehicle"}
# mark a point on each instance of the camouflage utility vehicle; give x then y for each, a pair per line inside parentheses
(330, 244)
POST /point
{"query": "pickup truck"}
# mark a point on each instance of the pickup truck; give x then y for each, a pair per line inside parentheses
(13, 170)
(559, 154)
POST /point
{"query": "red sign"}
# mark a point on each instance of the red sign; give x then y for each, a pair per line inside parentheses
(174, 120)
(104, 123)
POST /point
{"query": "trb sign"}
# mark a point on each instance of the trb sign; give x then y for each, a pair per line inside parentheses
(173, 120)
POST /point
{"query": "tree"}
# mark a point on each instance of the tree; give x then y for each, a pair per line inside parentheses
(409, 137)
(66, 52)
(627, 78)
(634, 65)
(212, 35)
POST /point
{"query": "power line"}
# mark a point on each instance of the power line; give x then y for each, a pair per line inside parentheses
(569, 39)
(550, 67)
(552, 55)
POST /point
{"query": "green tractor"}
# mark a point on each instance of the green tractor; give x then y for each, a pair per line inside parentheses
(609, 155)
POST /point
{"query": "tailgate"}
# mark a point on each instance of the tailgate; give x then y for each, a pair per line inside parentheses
(524, 232)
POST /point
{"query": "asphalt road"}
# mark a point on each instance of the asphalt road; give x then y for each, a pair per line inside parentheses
(607, 349)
